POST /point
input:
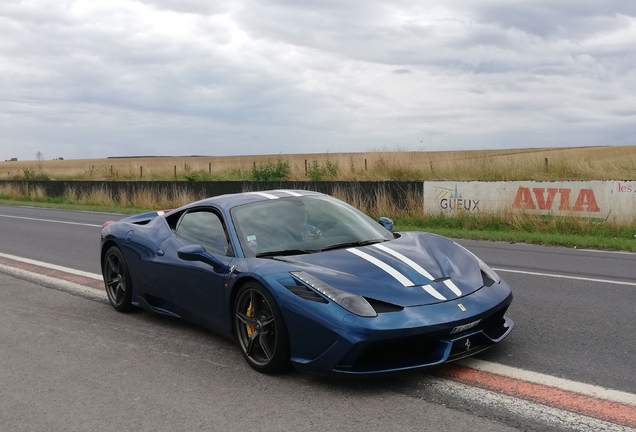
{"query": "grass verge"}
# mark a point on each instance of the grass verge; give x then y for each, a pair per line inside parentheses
(523, 228)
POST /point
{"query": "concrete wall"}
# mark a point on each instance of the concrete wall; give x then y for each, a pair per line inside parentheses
(398, 191)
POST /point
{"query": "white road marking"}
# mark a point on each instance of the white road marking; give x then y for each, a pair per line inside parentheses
(607, 252)
(570, 249)
(52, 266)
(81, 211)
(551, 381)
(51, 220)
(609, 281)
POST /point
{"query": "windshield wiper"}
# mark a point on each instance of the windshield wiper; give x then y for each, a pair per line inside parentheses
(352, 244)
(284, 252)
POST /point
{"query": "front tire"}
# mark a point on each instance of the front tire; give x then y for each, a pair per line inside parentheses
(117, 280)
(260, 330)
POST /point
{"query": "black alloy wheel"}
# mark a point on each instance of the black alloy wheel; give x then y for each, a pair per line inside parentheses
(260, 329)
(117, 280)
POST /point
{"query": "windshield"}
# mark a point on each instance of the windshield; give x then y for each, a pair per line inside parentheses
(304, 224)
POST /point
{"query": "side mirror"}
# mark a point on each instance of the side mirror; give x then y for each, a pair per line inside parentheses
(197, 253)
(386, 223)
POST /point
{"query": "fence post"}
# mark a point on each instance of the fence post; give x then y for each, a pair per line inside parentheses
(209, 167)
(305, 167)
(365, 164)
(175, 171)
(141, 172)
(546, 164)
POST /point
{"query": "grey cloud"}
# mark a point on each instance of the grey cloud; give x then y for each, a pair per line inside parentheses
(346, 74)
(484, 24)
(625, 112)
(200, 7)
(555, 18)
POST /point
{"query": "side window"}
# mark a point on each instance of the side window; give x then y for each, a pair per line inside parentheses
(205, 228)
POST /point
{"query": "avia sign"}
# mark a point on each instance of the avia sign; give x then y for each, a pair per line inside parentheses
(544, 199)
(592, 199)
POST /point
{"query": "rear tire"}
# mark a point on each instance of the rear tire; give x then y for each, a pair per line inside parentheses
(260, 330)
(117, 280)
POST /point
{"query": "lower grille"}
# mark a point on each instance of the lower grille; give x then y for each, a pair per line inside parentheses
(469, 345)
(394, 354)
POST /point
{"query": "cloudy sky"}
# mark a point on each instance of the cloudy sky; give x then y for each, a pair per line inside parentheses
(98, 78)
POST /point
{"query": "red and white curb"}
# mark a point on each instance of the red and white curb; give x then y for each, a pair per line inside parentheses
(578, 403)
(61, 278)
(548, 417)
(553, 401)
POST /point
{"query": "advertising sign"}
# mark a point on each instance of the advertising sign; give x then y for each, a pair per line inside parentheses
(623, 201)
(583, 199)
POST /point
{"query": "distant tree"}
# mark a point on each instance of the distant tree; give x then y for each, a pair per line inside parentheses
(39, 156)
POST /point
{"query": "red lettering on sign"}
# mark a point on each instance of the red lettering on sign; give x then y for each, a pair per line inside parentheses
(523, 199)
(587, 199)
(565, 199)
(543, 202)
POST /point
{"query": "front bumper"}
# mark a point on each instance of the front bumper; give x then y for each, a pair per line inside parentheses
(416, 338)
(417, 352)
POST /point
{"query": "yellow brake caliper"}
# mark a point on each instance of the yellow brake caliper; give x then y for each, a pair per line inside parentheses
(250, 314)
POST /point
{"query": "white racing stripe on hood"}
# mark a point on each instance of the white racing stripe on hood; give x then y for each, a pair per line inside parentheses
(415, 266)
(387, 268)
(451, 285)
(266, 195)
(432, 291)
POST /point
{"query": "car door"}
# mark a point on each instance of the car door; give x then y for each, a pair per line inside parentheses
(195, 289)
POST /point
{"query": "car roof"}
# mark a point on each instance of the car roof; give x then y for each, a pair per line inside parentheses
(229, 201)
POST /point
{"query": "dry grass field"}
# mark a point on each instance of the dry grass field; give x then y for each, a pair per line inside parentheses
(581, 163)
(588, 163)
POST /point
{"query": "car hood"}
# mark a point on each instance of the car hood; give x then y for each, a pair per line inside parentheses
(414, 269)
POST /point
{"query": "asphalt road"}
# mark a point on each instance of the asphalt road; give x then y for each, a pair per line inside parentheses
(67, 238)
(576, 329)
(71, 364)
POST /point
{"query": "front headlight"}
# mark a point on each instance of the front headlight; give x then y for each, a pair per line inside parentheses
(352, 302)
(485, 268)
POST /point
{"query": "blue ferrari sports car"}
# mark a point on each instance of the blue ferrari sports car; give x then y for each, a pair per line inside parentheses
(301, 278)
